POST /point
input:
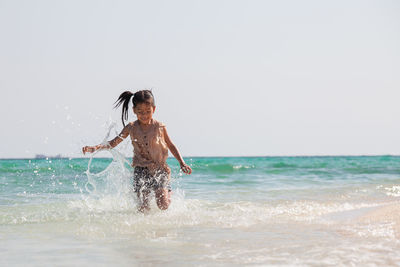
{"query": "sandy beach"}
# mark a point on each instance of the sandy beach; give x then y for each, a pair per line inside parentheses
(388, 215)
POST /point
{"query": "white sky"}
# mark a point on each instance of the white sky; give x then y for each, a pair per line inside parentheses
(231, 78)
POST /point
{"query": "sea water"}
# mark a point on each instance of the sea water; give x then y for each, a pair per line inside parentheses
(296, 211)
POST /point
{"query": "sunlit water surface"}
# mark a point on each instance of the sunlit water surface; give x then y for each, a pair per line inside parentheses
(230, 211)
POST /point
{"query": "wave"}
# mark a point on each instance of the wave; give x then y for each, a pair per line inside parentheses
(121, 209)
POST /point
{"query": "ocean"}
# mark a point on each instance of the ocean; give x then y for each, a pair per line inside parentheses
(231, 211)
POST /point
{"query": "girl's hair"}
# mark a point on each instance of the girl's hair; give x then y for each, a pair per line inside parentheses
(143, 96)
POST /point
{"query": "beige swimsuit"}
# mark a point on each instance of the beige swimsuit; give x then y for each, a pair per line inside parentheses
(150, 153)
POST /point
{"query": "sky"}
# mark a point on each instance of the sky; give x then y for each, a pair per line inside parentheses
(230, 78)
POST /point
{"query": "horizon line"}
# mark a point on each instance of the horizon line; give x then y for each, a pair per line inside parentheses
(236, 156)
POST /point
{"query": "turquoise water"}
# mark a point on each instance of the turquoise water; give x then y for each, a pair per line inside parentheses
(230, 211)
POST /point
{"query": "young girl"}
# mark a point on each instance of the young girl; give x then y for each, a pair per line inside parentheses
(150, 142)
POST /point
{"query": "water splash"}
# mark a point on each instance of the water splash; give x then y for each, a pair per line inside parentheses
(109, 189)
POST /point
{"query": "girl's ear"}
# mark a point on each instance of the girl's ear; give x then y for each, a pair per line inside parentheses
(154, 109)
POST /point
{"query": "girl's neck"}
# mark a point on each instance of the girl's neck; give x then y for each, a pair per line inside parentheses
(145, 124)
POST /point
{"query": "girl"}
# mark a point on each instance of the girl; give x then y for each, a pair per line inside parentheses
(150, 142)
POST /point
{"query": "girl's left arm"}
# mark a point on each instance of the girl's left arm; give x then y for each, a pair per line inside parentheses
(184, 167)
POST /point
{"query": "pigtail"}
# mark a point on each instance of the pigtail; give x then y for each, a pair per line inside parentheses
(143, 96)
(124, 99)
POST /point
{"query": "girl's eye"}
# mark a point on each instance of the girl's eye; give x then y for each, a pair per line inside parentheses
(143, 112)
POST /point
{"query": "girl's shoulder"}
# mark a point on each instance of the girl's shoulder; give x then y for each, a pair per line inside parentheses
(133, 125)
(130, 125)
(158, 124)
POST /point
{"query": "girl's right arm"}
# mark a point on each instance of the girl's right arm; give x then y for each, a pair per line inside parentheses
(110, 144)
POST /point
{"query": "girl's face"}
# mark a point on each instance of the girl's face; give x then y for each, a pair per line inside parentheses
(144, 112)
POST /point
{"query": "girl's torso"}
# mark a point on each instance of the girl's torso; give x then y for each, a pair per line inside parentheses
(149, 146)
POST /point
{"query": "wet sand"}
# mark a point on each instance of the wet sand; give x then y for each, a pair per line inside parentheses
(388, 214)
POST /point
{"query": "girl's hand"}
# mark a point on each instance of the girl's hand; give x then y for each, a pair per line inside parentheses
(89, 149)
(185, 168)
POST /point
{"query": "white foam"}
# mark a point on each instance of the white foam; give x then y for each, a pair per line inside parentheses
(393, 191)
